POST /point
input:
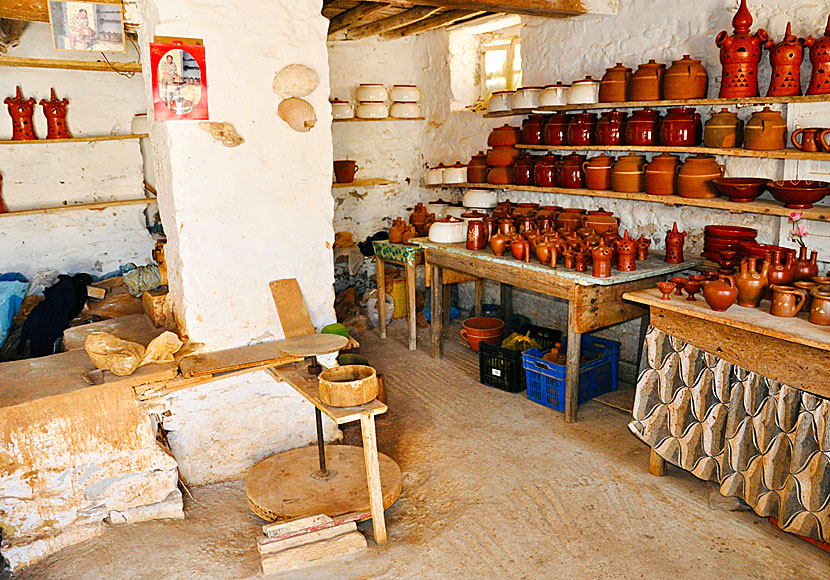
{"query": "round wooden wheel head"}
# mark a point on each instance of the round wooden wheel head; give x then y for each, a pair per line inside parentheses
(287, 485)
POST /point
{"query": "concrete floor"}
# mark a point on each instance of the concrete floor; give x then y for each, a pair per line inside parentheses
(495, 486)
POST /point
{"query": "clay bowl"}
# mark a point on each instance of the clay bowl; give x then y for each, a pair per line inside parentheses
(756, 250)
(740, 189)
(481, 329)
(798, 193)
(716, 245)
(714, 256)
(730, 232)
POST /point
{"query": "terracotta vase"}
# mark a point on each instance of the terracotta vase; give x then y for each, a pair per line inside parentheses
(626, 253)
(614, 87)
(601, 256)
(523, 169)
(419, 213)
(504, 136)
(628, 174)
(545, 170)
(477, 168)
(408, 234)
(581, 262)
(597, 172)
(723, 130)
(556, 129)
(820, 308)
(820, 59)
(785, 58)
(686, 79)
(498, 243)
(611, 128)
(570, 172)
(694, 177)
(661, 175)
(681, 128)
(752, 284)
(642, 128)
(55, 112)
(739, 56)
(786, 300)
(647, 82)
(720, 294)
(766, 130)
(582, 128)
(643, 244)
(21, 111)
(476, 238)
(805, 268)
(674, 245)
(781, 270)
(520, 249)
(396, 231)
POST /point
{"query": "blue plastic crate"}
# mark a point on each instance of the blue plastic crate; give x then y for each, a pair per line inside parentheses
(597, 373)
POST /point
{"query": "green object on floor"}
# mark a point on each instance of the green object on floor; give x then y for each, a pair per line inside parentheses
(335, 328)
(352, 359)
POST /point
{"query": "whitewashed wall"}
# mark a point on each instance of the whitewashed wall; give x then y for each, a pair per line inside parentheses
(52, 174)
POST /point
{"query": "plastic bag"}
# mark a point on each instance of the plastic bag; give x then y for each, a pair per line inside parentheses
(13, 289)
(110, 353)
(143, 279)
(369, 303)
(41, 281)
(162, 348)
(520, 342)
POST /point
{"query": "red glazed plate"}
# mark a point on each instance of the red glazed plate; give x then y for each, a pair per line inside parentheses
(731, 232)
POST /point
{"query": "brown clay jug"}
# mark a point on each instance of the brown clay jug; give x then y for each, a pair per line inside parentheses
(569, 172)
(765, 131)
(532, 130)
(786, 301)
(647, 82)
(805, 268)
(521, 249)
(674, 245)
(628, 174)
(597, 172)
(601, 255)
(504, 136)
(396, 231)
(546, 253)
(820, 308)
(661, 175)
(477, 168)
(582, 128)
(685, 79)
(545, 171)
(811, 139)
(785, 58)
(476, 239)
(642, 128)
(498, 243)
(626, 253)
(820, 59)
(781, 271)
(611, 128)
(614, 87)
(523, 169)
(739, 55)
(723, 130)
(752, 285)
(720, 294)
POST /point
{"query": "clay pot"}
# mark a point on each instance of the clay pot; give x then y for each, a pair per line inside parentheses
(781, 270)
(344, 171)
(661, 175)
(601, 256)
(720, 294)
(820, 308)
(820, 59)
(739, 55)
(546, 253)
(765, 131)
(523, 169)
(681, 128)
(685, 79)
(597, 172)
(785, 58)
(477, 168)
(614, 87)
(626, 253)
(723, 130)
(674, 245)
(556, 129)
(419, 214)
(521, 249)
(506, 226)
(611, 128)
(581, 129)
(647, 82)
(805, 268)
(798, 193)
(694, 178)
(545, 170)
(786, 300)
(498, 243)
(500, 176)
(396, 231)
(628, 174)
(642, 127)
(408, 234)
(601, 224)
(570, 218)
(813, 139)
(476, 237)
(570, 173)
(504, 136)
(532, 130)
(481, 329)
(502, 156)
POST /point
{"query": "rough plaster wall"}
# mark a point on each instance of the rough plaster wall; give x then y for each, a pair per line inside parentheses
(47, 175)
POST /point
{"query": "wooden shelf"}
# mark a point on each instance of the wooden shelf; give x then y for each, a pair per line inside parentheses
(817, 213)
(77, 139)
(669, 103)
(90, 206)
(368, 182)
(87, 65)
(732, 152)
(357, 120)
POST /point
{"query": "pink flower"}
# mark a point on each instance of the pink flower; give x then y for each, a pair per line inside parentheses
(795, 216)
(802, 231)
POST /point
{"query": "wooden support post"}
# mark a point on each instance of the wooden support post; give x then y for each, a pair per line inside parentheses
(380, 276)
(656, 464)
(437, 315)
(506, 291)
(479, 296)
(572, 373)
(370, 456)
(410, 305)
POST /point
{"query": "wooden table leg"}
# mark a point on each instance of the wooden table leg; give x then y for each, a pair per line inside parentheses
(446, 303)
(370, 457)
(436, 315)
(572, 373)
(506, 298)
(380, 276)
(410, 304)
(479, 298)
(656, 464)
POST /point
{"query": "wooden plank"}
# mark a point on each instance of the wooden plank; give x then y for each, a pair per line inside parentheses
(368, 182)
(297, 376)
(436, 320)
(798, 365)
(81, 206)
(29, 10)
(788, 153)
(303, 555)
(135, 328)
(291, 308)
(370, 457)
(411, 314)
(600, 306)
(273, 546)
(549, 8)
(404, 18)
(265, 354)
(85, 65)
(283, 530)
(431, 23)
(572, 368)
(380, 276)
(353, 15)
(91, 139)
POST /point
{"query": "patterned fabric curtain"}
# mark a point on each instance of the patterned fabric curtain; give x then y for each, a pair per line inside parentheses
(761, 441)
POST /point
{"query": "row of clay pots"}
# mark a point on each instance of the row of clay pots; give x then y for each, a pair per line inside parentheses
(685, 79)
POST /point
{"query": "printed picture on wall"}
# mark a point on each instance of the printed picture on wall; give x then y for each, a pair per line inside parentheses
(179, 81)
(87, 26)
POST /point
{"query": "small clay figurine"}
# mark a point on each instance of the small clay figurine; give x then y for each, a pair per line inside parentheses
(21, 111)
(55, 111)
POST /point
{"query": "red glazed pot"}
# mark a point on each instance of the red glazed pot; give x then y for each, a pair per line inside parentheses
(581, 129)
(532, 130)
(481, 329)
(544, 173)
(642, 128)
(570, 171)
(556, 129)
(611, 128)
(523, 169)
(681, 128)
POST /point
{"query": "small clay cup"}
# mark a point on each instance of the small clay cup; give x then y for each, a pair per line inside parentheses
(679, 281)
(666, 288)
(692, 287)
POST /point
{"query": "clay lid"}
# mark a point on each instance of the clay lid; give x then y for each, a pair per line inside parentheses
(687, 59)
(407, 86)
(372, 102)
(618, 67)
(586, 80)
(448, 220)
(336, 101)
(503, 92)
(529, 88)
(371, 84)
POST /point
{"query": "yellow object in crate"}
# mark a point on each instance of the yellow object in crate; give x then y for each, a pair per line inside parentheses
(396, 288)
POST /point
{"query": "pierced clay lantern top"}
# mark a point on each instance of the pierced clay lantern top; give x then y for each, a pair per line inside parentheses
(739, 55)
(21, 111)
(785, 58)
(55, 111)
(820, 57)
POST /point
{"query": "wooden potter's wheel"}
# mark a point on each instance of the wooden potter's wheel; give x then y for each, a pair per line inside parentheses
(312, 344)
(287, 485)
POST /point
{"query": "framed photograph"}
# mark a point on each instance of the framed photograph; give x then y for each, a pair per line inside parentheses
(87, 26)
(179, 81)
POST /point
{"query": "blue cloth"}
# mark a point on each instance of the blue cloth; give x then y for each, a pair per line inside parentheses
(13, 288)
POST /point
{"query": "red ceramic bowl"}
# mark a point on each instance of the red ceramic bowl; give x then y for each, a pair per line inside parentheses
(740, 189)
(798, 193)
(730, 232)
(714, 256)
(482, 329)
(756, 250)
(716, 244)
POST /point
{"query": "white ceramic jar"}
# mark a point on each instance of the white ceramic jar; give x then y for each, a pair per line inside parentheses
(435, 175)
(371, 92)
(439, 208)
(405, 94)
(584, 92)
(499, 102)
(448, 231)
(405, 110)
(455, 174)
(372, 110)
(341, 109)
(525, 98)
(481, 198)
(554, 95)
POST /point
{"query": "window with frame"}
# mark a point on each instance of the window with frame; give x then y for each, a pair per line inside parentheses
(501, 61)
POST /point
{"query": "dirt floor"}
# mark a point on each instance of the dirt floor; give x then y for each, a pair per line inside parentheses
(495, 486)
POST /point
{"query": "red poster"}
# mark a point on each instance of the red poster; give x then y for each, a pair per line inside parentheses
(179, 81)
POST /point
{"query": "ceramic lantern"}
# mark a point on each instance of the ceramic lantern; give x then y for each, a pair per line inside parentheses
(21, 111)
(674, 245)
(785, 58)
(739, 55)
(820, 57)
(55, 111)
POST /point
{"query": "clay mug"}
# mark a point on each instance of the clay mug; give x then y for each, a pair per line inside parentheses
(812, 139)
(785, 301)
(344, 171)
(820, 310)
(720, 294)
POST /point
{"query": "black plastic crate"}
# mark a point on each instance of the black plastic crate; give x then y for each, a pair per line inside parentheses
(502, 368)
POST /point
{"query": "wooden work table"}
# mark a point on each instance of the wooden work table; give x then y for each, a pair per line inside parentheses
(593, 303)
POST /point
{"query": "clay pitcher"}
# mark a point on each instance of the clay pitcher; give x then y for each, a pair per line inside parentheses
(546, 253)
(720, 294)
(752, 285)
(498, 243)
(820, 59)
(785, 58)
(521, 249)
(476, 239)
(820, 310)
(786, 301)
(674, 245)
(805, 268)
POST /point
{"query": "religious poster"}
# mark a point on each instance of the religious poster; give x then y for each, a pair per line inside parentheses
(179, 81)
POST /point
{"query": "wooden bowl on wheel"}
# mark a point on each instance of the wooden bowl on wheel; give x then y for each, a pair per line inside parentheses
(348, 386)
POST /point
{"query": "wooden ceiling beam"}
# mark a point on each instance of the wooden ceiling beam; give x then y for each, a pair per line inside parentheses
(550, 8)
(30, 10)
(404, 18)
(430, 23)
(353, 15)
